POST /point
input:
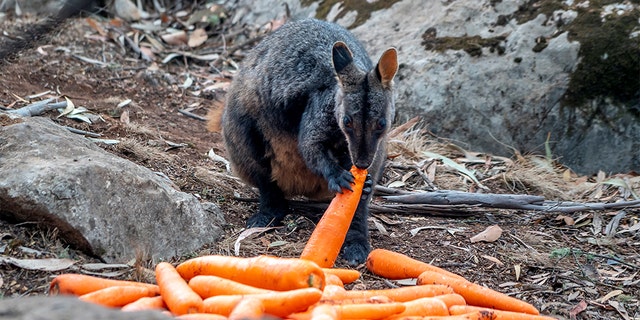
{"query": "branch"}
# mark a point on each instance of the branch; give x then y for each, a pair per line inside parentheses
(38, 108)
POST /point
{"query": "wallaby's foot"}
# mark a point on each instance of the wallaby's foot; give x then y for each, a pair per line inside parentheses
(340, 180)
(260, 219)
(355, 252)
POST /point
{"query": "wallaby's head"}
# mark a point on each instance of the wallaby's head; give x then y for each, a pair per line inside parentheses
(364, 102)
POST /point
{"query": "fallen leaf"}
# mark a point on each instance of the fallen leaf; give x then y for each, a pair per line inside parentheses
(610, 295)
(517, 269)
(48, 264)
(176, 38)
(197, 37)
(581, 306)
(103, 266)
(278, 243)
(407, 282)
(567, 220)
(490, 234)
(620, 308)
(245, 234)
(493, 259)
(380, 227)
(124, 117)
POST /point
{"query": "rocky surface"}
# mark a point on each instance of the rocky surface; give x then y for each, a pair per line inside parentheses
(100, 203)
(65, 308)
(496, 76)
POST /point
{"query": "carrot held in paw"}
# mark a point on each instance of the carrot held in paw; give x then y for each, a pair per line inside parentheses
(500, 314)
(208, 286)
(395, 265)
(478, 295)
(117, 296)
(79, 284)
(328, 236)
(146, 303)
(175, 291)
(266, 272)
(346, 275)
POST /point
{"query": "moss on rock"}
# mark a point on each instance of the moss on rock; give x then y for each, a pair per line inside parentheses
(364, 8)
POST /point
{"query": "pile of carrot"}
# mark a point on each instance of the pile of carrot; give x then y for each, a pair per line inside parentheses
(223, 287)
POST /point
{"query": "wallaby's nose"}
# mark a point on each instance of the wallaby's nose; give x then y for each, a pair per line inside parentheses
(362, 164)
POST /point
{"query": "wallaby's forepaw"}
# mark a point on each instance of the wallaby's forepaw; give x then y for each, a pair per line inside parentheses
(355, 253)
(260, 219)
(341, 181)
(367, 188)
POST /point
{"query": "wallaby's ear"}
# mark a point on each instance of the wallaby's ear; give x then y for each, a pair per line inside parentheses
(387, 66)
(342, 56)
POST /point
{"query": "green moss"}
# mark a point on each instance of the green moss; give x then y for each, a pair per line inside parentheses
(363, 7)
(472, 45)
(610, 60)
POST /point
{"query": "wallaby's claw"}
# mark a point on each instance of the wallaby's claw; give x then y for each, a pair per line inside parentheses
(367, 188)
(342, 181)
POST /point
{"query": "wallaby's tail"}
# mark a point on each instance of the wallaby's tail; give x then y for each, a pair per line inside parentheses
(35, 33)
(214, 116)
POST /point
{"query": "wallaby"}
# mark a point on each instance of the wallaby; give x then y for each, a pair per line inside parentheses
(306, 105)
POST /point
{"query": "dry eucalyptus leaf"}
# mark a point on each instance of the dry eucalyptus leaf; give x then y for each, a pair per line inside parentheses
(39, 264)
(493, 259)
(490, 234)
(567, 220)
(197, 37)
(176, 38)
(245, 234)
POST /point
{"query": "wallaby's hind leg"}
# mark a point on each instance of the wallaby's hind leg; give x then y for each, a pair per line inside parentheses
(247, 148)
(273, 206)
(356, 245)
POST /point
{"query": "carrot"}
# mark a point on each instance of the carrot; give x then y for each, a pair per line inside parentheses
(117, 296)
(500, 314)
(201, 316)
(278, 303)
(477, 315)
(324, 312)
(208, 286)
(423, 307)
(478, 295)
(177, 294)
(346, 275)
(370, 300)
(401, 294)
(328, 236)
(146, 303)
(395, 265)
(79, 284)
(354, 311)
(265, 272)
(451, 299)
(332, 279)
(247, 308)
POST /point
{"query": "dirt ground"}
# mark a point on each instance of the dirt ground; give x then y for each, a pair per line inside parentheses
(569, 265)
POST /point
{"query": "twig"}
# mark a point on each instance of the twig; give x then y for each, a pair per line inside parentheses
(82, 132)
(192, 115)
(38, 108)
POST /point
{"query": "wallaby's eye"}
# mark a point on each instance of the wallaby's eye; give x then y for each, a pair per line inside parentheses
(347, 122)
(382, 124)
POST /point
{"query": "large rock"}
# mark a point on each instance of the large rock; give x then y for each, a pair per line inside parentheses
(501, 75)
(100, 203)
(67, 308)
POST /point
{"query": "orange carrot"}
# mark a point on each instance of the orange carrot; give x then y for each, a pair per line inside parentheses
(500, 314)
(369, 300)
(324, 312)
(201, 316)
(346, 275)
(451, 299)
(395, 265)
(353, 311)
(401, 294)
(332, 279)
(117, 296)
(175, 291)
(146, 303)
(247, 308)
(280, 303)
(208, 286)
(328, 236)
(477, 315)
(478, 295)
(423, 307)
(265, 272)
(79, 284)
